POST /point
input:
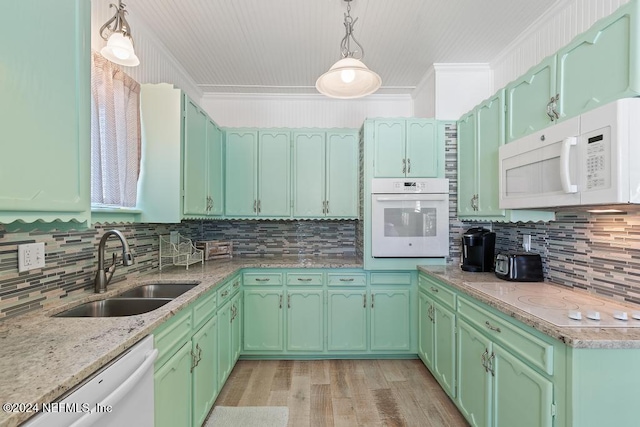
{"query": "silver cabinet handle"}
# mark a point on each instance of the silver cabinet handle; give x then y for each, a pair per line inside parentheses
(266, 279)
(259, 208)
(288, 301)
(280, 303)
(430, 313)
(485, 360)
(373, 296)
(236, 284)
(408, 165)
(493, 328)
(434, 289)
(550, 109)
(404, 166)
(490, 364)
(554, 106)
(327, 202)
(347, 280)
(300, 279)
(255, 206)
(364, 301)
(224, 294)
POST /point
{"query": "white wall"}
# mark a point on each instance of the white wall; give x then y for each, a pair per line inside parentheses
(288, 110)
(157, 64)
(424, 96)
(547, 34)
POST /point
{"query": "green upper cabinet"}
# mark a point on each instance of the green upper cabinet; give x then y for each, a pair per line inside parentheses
(467, 164)
(325, 169)
(407, 148)
(195, 160)
(601, 64)
(274, 174)
(527, 100)
(215, 173)
(45, 111)
(257, 173)
(241, 173)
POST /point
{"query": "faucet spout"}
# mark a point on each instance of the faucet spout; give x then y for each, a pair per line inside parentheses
(103, 276)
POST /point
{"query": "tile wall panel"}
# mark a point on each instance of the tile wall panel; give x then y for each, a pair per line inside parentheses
(456, 227)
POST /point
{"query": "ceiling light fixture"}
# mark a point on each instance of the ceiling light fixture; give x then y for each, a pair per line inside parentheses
(116, 32)
(349, 77)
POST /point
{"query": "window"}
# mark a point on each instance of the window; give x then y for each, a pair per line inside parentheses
(115, 135)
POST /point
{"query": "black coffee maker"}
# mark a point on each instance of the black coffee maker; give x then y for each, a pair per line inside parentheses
(478, 247)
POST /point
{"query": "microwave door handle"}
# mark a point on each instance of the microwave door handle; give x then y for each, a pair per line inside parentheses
(565, 172)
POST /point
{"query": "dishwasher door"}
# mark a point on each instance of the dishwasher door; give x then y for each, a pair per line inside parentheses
(119, 394)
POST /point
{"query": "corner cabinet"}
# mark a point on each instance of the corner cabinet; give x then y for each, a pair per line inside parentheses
(480, 135)
(258, 173)
(325, 174)
(407, 148)
(45, 112)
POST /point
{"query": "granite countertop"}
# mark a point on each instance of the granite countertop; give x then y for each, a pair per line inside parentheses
(41, 357)
(577, 337)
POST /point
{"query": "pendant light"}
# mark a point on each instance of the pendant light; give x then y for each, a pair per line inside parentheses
(349, 77)
(116, 32)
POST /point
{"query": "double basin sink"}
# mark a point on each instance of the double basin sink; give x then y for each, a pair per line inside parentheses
(143, 299)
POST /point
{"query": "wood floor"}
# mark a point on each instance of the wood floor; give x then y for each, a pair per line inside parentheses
(343, 392)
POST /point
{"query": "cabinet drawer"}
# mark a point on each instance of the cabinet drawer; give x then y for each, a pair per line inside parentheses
(224, 293)
(438, 291)
(346, 279)
(204, 308)
(253, 279)
(527, 347)
(400, 278)
(172, 335)
(304, 278)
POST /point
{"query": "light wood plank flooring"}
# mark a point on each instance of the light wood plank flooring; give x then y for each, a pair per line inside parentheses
(343, 392)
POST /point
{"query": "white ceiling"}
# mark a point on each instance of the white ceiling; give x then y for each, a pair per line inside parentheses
(282, 46)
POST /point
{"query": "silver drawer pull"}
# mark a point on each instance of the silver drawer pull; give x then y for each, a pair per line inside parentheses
(434, 289)
(347, 280)
(266, 279)
(225, 293)
(236, 284)
(493, 328)
(300, 279)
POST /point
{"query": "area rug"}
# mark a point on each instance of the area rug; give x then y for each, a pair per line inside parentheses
(248, 416)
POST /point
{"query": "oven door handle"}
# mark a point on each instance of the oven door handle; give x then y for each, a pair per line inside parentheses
(411, 197)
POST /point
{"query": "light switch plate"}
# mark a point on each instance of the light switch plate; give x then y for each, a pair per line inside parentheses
(30, 256)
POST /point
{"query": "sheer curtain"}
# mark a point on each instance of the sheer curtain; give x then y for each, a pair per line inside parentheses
(115, 134)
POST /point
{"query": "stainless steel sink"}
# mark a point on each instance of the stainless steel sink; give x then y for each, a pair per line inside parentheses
(114, 307)
(158, 290)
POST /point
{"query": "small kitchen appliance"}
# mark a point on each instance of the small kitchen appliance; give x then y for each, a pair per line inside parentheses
(519, 267)
(478, 247)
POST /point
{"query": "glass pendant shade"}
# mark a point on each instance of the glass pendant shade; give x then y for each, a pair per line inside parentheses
(119, 49)
(348, 78)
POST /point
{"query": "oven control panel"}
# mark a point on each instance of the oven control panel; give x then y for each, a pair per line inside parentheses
(396, 186)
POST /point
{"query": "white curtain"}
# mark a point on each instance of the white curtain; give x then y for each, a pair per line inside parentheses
(115, 134)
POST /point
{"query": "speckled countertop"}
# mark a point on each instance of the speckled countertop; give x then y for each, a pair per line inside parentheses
(592, 337)
(41, 357)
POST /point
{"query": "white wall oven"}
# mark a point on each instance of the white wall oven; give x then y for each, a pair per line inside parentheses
(409, 218)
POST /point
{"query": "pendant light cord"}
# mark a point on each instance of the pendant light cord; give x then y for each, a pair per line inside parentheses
(345, 44)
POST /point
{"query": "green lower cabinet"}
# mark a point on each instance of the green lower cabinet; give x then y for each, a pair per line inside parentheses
(444, 358)
(236, 328)
(263, 319)
(347, 320)
(390, 320)
(305, 320)
(521, 396)
(172, 388)
(205, 386)
(224, 343)
(425, 330)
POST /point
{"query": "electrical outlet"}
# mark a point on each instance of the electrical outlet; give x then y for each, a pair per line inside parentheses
(30, 256)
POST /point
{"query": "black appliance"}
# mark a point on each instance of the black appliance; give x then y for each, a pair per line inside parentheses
(519, 267)
(478, 247)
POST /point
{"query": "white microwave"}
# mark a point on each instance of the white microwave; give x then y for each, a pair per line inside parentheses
(592, 159)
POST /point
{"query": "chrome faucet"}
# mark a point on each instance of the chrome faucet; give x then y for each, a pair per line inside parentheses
(103, 276)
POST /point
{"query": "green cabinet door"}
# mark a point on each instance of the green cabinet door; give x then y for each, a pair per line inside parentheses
(425, 330)
(195, 160)
(601, 64)
(444, 366)
(347, 320)
(342, 175)
(172, 390)
(521, 395)
(309, 174)
(263, 317)
(423, 150)
(527, 98)
(236, 327)
(467, 176)
(274, 180)
(241, 173)
(390, 325)
(389, 148)
(474, 385)
(216, 169)
(224, 343)
(305, 320)
(45, 110)
(204, 347)
(490, 136)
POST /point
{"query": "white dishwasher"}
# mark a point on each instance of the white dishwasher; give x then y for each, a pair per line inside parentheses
(120, 394)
